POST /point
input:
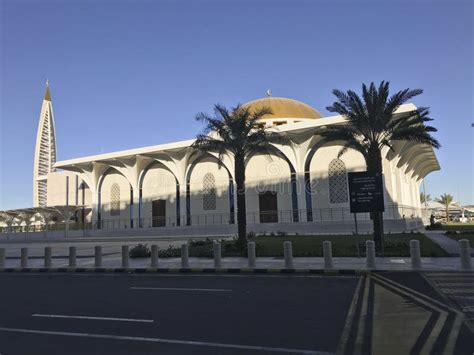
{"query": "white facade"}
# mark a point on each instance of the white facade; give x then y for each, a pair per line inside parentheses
(170, 185)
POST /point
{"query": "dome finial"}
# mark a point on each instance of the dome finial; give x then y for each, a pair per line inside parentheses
(269, 93)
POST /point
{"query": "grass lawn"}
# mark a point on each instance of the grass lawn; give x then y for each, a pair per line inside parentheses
(345, 245)
(458, 226)
(312, 245)
(468, 236)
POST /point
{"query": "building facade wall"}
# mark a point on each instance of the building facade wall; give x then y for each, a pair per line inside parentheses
(115, 206)
(208, 198)
(158, 184)
(268, 173)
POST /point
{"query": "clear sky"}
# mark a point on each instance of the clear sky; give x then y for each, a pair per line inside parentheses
(127, 74)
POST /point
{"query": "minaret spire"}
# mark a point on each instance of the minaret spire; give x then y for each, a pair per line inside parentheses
(47, 94)
(45, 152)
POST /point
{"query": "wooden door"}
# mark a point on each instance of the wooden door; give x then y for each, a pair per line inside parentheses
(158, 213)
(268, 207)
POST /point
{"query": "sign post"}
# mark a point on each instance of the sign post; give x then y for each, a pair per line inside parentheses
(365, 194)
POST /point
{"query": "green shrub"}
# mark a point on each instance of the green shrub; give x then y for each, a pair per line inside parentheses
(140, 251)
(201, 242)
(451, 232)
(170, 252)
(434, 226)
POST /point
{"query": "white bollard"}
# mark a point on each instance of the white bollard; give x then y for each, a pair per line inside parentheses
(415, 254)
(24, 257)
(251, 254)
(185, 256)
(370, 254)
(217, 254)
(154, 255)
(125, 262)
(48, 255)
(327, 253)
(465, 253)
(72, 256)
(98, 256)
(288, 254)
(2, 257)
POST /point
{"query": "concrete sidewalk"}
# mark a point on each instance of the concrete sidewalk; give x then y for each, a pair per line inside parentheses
(300, 263)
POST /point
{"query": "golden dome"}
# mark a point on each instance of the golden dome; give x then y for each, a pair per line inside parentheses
(283, 107)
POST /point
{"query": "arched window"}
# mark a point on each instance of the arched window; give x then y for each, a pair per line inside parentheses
(209, 192)
(337, 181)
(115, 200)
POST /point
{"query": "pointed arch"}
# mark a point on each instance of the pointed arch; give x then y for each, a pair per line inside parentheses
(188, 187)
(157, 163)
(99, 196)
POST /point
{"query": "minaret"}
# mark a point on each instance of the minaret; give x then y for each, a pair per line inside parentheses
(45, 152)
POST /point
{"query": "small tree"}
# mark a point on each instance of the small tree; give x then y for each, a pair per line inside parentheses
(237, 132)
(423, 198)
(446, 200)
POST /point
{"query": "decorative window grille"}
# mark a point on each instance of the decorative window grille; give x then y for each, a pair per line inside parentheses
(209, 192)
(115, 200)
(337, 181)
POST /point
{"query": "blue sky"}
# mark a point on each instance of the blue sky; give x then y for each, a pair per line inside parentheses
(127, 74)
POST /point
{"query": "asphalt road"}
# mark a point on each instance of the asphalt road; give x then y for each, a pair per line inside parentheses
(150, 314)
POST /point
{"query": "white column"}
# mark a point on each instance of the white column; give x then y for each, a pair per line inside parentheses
(327, 253)
(301, 193)
(154, 255)
(415, 254)
(370, 254)
(288, 254)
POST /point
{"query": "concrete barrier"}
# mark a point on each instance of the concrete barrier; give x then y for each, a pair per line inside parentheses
(98, 256)
(415, 254)
(24, 257)
(327, 253)
(154, 256)
(2, 257)
(288, 254)
(48, 257)
(185, 256)
(251, 254)
(125, 256)
(217, 254)
(370, 254)
(72, 256)
(465, 254)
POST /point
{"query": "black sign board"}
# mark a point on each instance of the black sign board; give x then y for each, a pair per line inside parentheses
(366, 192)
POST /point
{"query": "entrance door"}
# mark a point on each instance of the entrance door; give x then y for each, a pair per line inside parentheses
(158, 213)
(268, 207)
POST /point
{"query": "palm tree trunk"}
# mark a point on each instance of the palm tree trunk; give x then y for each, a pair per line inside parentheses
(239, 173)
(374, 166)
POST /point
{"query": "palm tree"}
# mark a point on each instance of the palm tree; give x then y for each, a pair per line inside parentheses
(236, 132)
(425, 198)
(372, 125)
(446, 200)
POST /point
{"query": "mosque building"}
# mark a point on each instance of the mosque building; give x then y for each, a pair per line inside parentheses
(170, 189)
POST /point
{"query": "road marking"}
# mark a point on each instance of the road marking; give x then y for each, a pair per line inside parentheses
(167, 341)
(464, 297)
(450, 291)
(397, 261)
(181, 289)
(455, 284)
(93, 318)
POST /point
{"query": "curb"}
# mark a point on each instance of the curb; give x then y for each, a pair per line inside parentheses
(210, 271)
(185, 271)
